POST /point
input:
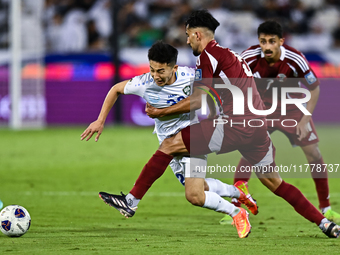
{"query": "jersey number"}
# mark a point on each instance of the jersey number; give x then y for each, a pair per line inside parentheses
(173, 101)
(181, 178)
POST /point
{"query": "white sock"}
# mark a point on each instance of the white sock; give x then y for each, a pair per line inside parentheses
(218, 204)
(323, 221)
(222, 189)
(131, 200)
(325, 209)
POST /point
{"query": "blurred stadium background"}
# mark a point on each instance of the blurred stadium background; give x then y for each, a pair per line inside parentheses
(67, 51)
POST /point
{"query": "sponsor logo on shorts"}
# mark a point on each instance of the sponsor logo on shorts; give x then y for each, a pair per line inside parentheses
(312, 137)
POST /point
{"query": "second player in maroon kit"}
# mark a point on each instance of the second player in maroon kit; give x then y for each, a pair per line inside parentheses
(291, 70)
(276, 65)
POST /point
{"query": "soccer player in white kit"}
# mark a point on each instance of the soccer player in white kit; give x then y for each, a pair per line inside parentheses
(166, 84)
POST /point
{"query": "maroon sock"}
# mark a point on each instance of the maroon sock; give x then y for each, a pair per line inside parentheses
(150, 173)
(242, 176)
(300, 203)
(321, 182)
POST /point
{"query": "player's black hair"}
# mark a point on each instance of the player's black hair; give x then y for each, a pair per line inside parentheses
(163, 53)
(202, 18)
(270, 27)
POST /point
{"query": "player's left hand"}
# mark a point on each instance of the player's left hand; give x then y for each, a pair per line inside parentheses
(153, 112)
(95, 127)
(302, 129)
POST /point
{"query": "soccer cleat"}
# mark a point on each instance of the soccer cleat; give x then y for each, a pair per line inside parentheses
(245, 198)
(119, 202)
(242, 224)
(331, 229)
(226, 220)
(332, 216)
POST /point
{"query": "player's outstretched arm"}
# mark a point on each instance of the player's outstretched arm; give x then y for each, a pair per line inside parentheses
(98, 125)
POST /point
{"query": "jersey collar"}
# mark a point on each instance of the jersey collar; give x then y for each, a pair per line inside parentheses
(283, 53)
(211, 44)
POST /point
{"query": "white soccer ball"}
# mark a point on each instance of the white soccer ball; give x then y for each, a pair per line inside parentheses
(15, 220)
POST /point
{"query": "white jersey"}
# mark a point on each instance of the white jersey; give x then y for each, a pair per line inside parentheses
(165, 96)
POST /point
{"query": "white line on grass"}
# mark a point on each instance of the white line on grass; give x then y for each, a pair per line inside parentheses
(152, 194)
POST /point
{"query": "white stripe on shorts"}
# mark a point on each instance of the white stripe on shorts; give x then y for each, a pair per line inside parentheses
(216, 140)
(269, 158)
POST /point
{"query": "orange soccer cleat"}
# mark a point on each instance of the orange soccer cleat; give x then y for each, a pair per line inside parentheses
(245, 198)
(242, 224)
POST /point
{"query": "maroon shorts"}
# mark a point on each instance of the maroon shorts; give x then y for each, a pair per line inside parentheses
(289, 130)
(252, 142)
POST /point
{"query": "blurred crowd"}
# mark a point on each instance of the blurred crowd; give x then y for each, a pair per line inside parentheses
(86, 25)
(310, 25)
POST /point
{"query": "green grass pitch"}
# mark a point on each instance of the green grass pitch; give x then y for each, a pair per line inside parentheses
(57, 178)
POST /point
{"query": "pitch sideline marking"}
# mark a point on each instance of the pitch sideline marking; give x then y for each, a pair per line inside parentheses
(151, 194)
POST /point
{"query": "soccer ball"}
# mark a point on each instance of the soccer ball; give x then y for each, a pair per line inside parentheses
(15, 220)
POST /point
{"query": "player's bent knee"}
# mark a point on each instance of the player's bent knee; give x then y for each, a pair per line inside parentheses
(194, 191)
(206, 186)
(271, 183)
(195, 199)
(316, 155)
(312, 152)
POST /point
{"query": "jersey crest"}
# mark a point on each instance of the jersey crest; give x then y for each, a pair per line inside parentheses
(281, 77)
(187, 90)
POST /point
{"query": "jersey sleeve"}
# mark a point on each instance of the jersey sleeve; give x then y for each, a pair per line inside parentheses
(251, 54)
(137, 85)
(204, 71)
(306, 73)
(310, 79)
(246, 53)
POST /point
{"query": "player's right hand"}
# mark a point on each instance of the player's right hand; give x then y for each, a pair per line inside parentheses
(94, 127)
(153, 112)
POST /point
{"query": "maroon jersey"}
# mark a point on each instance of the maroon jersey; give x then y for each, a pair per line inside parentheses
(218, 63)
(290, 71)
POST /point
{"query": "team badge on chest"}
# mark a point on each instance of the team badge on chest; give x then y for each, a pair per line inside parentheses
(281, 77)
(187, 90)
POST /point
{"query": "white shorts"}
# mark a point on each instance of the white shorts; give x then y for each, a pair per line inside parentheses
(186, 167)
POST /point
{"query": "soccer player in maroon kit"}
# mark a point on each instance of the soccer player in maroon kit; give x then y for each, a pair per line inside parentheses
(198, 139)
(280, 65)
